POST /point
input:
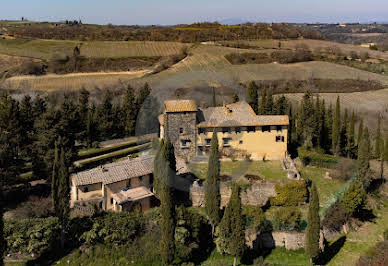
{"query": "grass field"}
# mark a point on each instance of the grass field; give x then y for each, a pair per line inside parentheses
(270, 170)
(74, 81)
(46, 49)
(313, 44)
(206, 65)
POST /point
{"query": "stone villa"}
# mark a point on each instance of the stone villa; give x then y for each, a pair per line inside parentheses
(116, 186)
(239, 130)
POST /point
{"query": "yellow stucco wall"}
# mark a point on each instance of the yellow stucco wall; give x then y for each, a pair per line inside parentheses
(258, 144)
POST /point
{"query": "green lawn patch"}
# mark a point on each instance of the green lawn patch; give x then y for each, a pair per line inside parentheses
(326, 187)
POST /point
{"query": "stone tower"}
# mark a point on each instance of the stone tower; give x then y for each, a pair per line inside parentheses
(178, 123)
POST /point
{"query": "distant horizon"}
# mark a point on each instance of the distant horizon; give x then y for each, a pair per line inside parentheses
(173, 12)
(227, 21)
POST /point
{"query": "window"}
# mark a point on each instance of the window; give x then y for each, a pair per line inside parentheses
(282, 138)
(225, 130)
(251, 129)
(278, 128)
(201, 131)
(85, 189)
(185, 143)
(240, 142)
(208, 141)
(111, 200)
(181, 130)
(226, 142)
(237, 129)
(266, 129)
(279, 138)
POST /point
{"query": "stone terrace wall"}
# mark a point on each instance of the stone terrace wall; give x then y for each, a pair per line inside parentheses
(289, 240)
(257, 194)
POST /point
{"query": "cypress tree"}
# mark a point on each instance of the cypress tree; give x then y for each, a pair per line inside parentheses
(129, 112)
(384, 157)
(378, 148)
(336, 128)
(351, 145)
(166, 176)
(3, 243)
(364, 153)
(360, 132)
(308, 120)
(63, 195)
(55, 180)
(313, 226)
(214, 99)
(83, 110)
(343, 135)
(231, 234)
(329, 125)
(269, 104)
(263, 102)
(281, 106)
(253, 96)
(212, 190)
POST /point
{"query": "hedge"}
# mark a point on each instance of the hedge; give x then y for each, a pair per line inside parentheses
(290, 194)
(316, 159)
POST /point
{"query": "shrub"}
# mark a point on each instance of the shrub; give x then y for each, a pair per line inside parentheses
(290, 194)
(35, 207)
(31, 235)
(114, 228)
(386, 234)
(335, 216)
(287, 219)
(344, 169)
(354, 198)
(316, 159)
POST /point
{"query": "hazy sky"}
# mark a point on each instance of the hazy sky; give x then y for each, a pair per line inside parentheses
(145, 12)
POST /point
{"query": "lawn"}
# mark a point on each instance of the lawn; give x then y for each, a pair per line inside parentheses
(360, 241)
(326, 187)
(278, 256)
(270, 170)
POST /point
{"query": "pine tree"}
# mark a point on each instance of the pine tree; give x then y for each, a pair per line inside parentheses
(63, 195)
(269, 104)
(212, 190)
(378, 148)
(253, 96)
(165, 175)
(231, 232)
(39, 107)
(130, 112)
(351, 145)
(336, 128)
(313, 226)
(91, 126)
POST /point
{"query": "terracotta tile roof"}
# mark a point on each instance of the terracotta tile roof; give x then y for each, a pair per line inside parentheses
(237, 114)
(115, 172)
(172, 106)
(133, 194)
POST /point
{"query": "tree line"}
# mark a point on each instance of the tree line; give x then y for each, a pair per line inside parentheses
(29, 128)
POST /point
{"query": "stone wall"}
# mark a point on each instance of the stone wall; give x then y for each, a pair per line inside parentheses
(257, 194)
(288, 240)
(186, 121)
